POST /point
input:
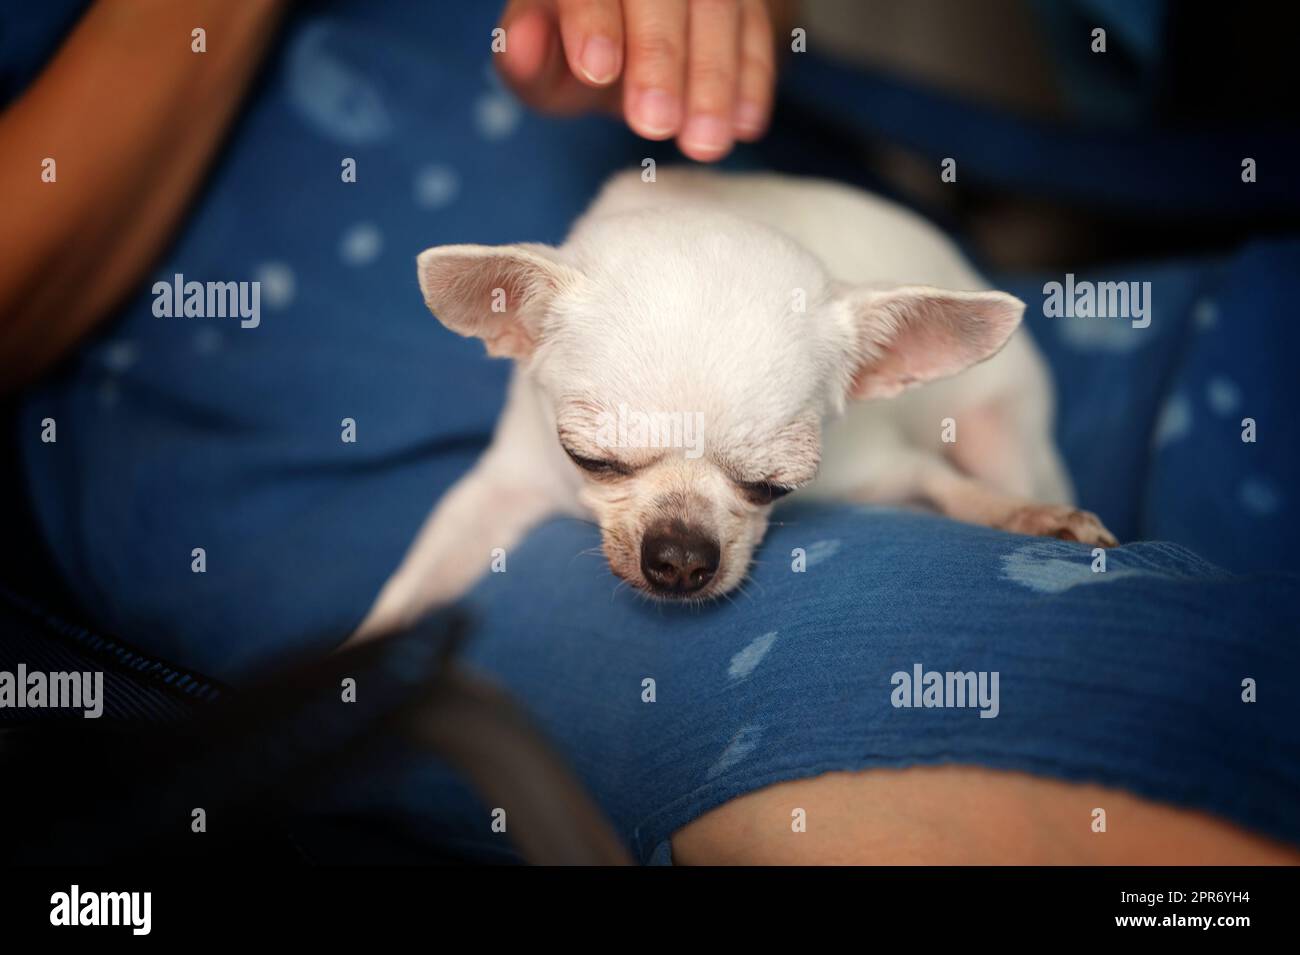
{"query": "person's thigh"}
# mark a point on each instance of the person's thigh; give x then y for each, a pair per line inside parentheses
(1118, 677)
(935, 815)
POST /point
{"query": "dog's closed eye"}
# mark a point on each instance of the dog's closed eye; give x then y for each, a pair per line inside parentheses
(598, 466)
(763, 492)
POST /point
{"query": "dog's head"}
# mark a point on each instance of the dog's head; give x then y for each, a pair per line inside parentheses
(688, 361)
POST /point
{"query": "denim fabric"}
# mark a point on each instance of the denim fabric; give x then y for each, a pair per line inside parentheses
(1131, 677)
(179, 433)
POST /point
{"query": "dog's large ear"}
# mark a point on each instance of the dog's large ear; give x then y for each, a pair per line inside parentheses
(914, 334)
(497, 293)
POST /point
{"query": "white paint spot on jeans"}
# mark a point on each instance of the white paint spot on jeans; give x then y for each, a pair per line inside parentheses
(1205, 314)
(818, 551)
(1175, 421)
(207, 341)
(119, 356)
(332, 96)
(278, 283)
(741, 745)
(1259, 496)
(1051, 567)
(744, 662)
(1223, 395)
(1102, 334)
(361, 244)
(436, 186)
(496, 115)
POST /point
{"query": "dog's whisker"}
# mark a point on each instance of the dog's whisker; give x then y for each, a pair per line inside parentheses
(581, 553)
(581, 520)
(749, 579)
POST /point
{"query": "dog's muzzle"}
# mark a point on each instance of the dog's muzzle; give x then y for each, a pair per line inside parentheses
(678, 560)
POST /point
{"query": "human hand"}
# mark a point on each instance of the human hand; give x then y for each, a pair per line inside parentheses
(702, 71)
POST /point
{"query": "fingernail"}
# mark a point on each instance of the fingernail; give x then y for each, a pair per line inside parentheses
(749, 118)
(706, 134)
(599, 60)
(657, 113)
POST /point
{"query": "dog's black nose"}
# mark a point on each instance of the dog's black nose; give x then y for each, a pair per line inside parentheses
(676, 559)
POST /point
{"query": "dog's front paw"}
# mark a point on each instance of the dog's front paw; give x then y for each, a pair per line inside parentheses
(1061, 521)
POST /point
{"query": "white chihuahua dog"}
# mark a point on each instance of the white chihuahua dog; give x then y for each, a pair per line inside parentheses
(702, 345)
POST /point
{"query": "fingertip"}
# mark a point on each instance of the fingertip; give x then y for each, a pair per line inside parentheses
(706, 138)
(653, 113)
(600, 62)
(750, 122)
(528, 40)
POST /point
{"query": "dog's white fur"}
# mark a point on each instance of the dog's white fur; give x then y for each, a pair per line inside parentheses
(684, 295)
